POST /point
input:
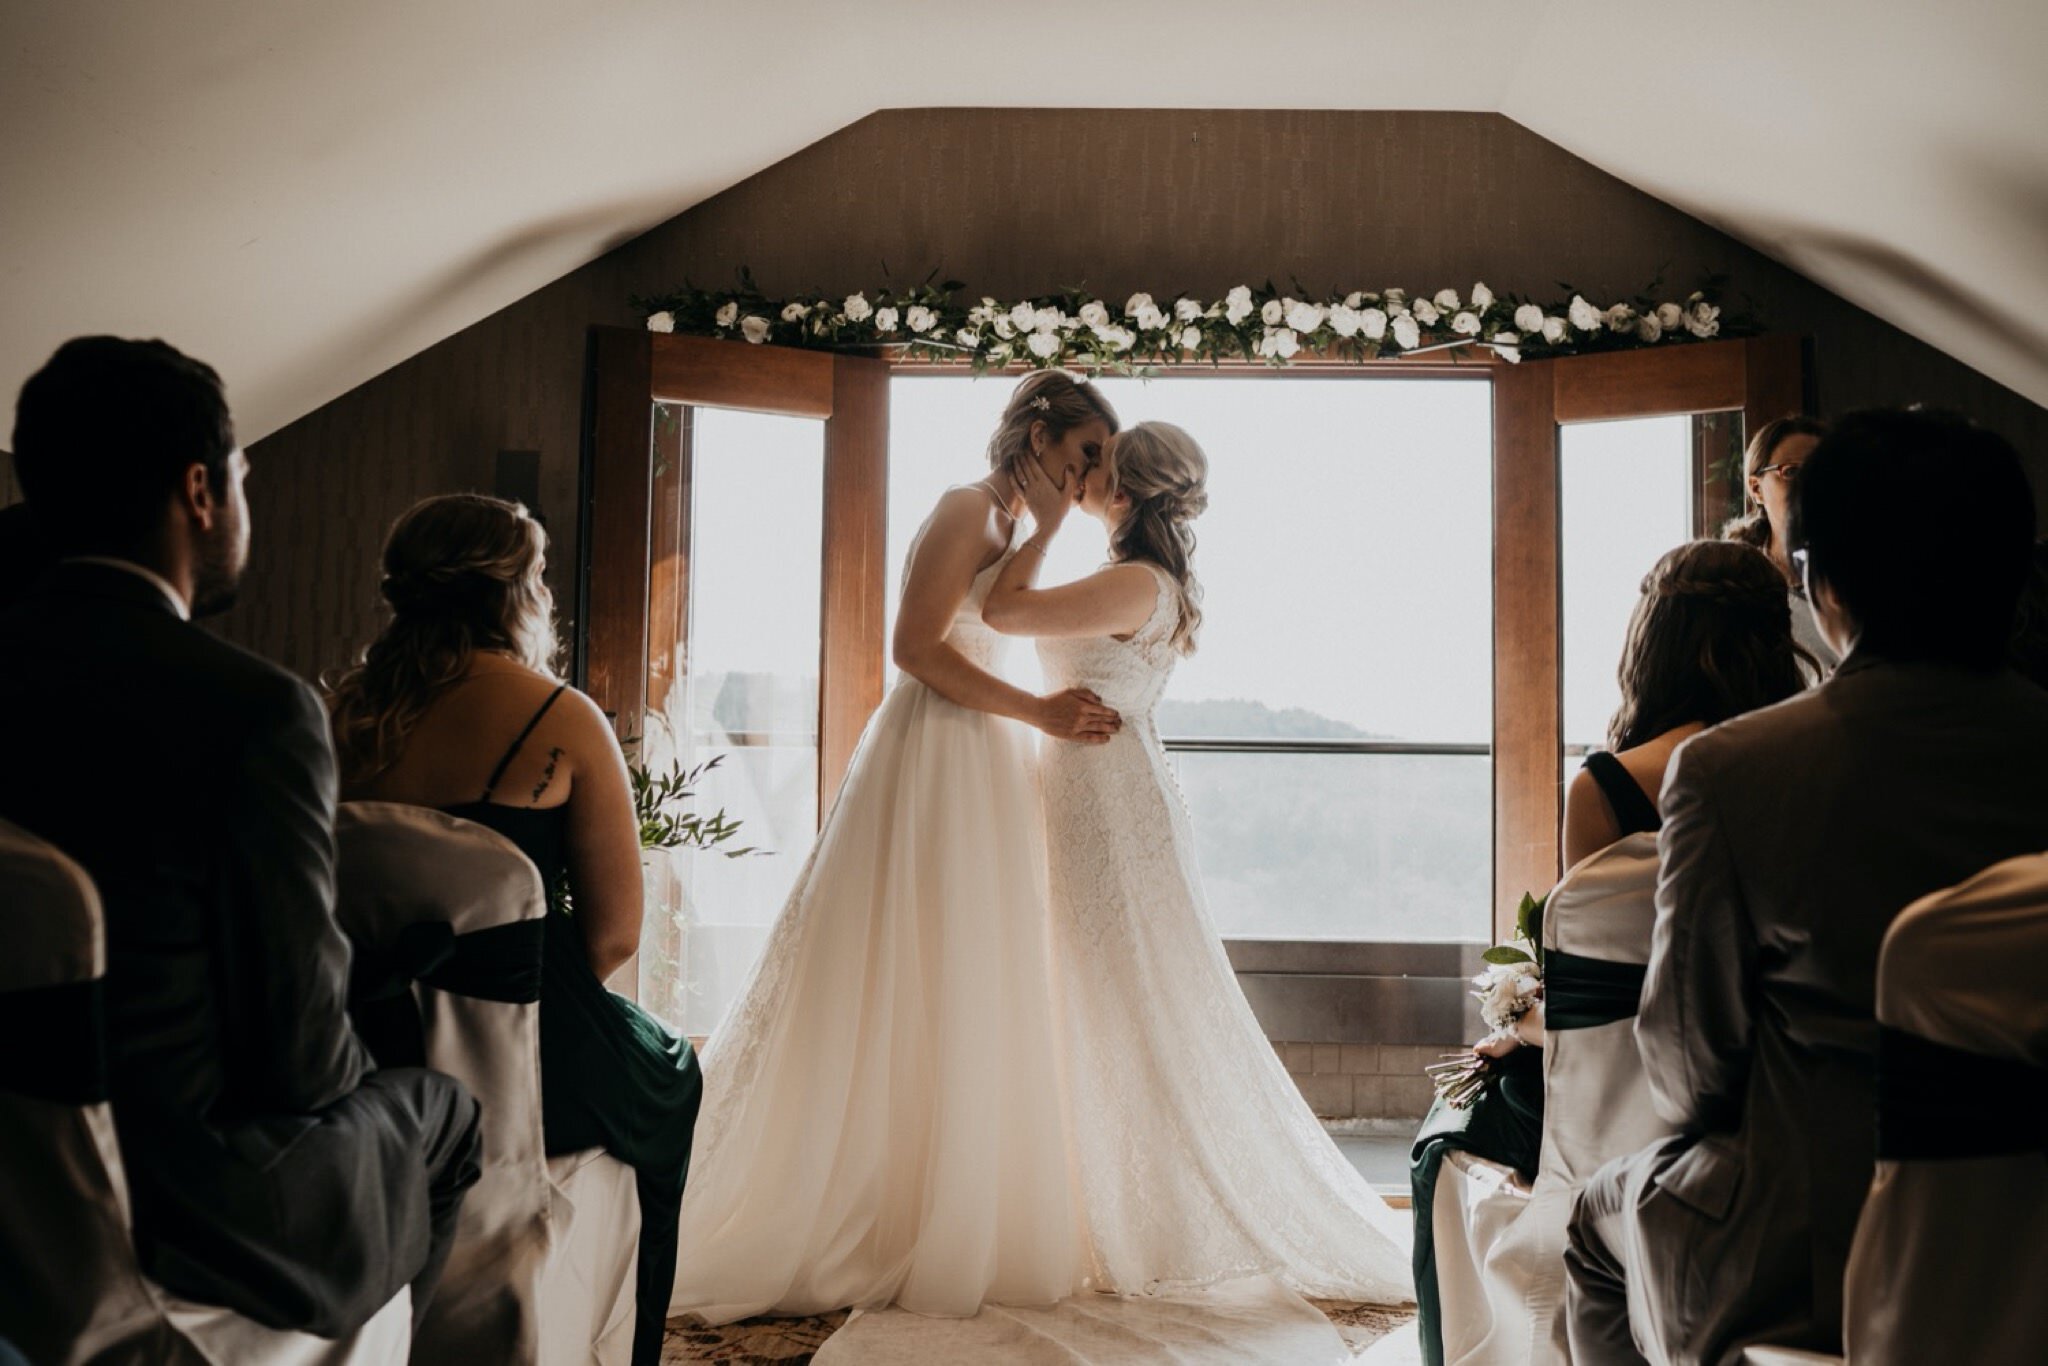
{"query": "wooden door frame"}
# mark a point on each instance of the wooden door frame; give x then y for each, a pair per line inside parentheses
(632, 590)
(633, 585)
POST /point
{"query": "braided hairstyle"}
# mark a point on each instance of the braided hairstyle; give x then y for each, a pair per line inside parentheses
(1710, 638)
(1163, 472)
(1753, 527)
(1059, 399)
(462, 573)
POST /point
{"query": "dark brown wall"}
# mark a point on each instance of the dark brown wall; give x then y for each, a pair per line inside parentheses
(1021, 201)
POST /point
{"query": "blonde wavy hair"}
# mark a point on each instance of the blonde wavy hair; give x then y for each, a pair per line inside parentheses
(462, 573)
(1059, 399)
(1164, 473)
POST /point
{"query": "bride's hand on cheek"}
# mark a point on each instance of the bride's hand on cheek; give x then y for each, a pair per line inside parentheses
(1049, 502)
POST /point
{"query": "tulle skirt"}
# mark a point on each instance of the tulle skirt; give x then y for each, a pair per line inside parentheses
(881, 1119)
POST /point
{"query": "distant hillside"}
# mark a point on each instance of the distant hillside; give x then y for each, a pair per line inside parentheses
(1236, 718)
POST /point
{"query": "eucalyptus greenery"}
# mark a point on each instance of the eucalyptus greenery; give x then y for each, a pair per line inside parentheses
(661, 800)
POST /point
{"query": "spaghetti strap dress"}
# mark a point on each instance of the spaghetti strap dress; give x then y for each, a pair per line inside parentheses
(612, 1076)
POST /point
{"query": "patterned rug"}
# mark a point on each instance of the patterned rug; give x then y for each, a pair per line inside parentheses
(791, 1342)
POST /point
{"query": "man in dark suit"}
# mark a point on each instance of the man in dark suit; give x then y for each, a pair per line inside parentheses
(1792, 836)
(24, 553)
(273, 1169)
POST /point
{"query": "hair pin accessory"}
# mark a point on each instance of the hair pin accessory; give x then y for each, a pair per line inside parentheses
(1042, 404)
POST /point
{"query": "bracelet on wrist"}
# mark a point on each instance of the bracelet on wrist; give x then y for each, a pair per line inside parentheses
(1032, 544)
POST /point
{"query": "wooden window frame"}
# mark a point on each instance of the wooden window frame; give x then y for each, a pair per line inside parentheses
(632, 591)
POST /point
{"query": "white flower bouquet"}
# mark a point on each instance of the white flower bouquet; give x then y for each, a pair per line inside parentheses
(1510, 986)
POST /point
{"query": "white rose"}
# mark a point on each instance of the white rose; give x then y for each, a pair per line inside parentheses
(1137, 304)
(1286, 342)
(1396, 296)
(1406, 334)
(1044, 345)
(920, 318)
(754, 328)
(857, 308)
(794, 313)
(982, 313)
(885, 320)
(1355, 299)
(1005, 328)
(1047, 319)
(1304, 317)
(1237, 305)
(1529, 318)
(1511, 354)
(1670, 316)
(1272, 312)
(1191, 339)
(1095, 313)
(1648, 329)
(1345, 320)
(1554, 331)
(1373, 322)
(728, 314)
(1620, 318)
(1425, 311)
(1482, 297)
(1506, 338)
(1703, 319)
(663, 321)
(1186, 309)
(1021, 316)
(1447, 300)
(1121, 339)
(1584, 316)
(1466, 324)
(968, 337)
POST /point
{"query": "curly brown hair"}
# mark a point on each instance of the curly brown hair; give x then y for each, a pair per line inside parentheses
(462, 573)
(1710, 638)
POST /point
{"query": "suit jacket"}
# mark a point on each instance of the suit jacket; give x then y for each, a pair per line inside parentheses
(196, 784)
(1792, 836)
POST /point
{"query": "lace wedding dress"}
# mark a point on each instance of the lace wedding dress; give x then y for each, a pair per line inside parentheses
(1196, 1159)
(881, 1120)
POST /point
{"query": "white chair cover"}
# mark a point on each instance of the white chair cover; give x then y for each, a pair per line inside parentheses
(535, 1274)
(70, 1288)
(586, 1294)
(1596, 1107)
(1948, 1252)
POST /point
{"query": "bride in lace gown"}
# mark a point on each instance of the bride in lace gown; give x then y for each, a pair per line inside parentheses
(1196, 1159)
(880, 1120)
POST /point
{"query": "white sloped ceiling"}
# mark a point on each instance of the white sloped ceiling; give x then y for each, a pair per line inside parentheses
(308, 193)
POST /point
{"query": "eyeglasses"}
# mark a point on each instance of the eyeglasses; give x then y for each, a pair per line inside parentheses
(1788, 473)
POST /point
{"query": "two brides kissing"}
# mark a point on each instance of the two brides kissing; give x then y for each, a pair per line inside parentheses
(993, 1051)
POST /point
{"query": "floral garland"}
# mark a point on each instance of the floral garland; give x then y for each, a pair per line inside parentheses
(1077, 331)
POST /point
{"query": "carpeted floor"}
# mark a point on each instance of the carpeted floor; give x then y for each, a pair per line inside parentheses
(790, 1342)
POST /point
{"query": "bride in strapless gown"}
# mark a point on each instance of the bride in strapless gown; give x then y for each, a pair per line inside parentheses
(881, 1120)
(1196, 1159)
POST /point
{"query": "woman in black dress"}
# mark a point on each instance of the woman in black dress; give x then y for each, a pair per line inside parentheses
(1710, 638)
(455, 705)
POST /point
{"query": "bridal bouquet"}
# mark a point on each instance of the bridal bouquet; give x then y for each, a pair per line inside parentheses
(1508, 989)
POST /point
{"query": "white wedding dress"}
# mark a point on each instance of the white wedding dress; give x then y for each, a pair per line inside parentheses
(881, 1119)
(1195, 1157)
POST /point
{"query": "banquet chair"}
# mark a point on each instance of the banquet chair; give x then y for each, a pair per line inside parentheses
(1953, 1234)
(71, 1288)
(1502, 1280)
(447, 918)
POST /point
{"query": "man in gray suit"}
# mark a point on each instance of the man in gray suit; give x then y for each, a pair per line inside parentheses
(1792, 836)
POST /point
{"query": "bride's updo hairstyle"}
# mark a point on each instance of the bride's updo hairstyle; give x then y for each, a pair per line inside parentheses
(1163, 472)
(1710, 639)
(462, 573)
(1059, 399)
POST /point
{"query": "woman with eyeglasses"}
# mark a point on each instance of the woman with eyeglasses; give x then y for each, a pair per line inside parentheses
(1770, 470)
